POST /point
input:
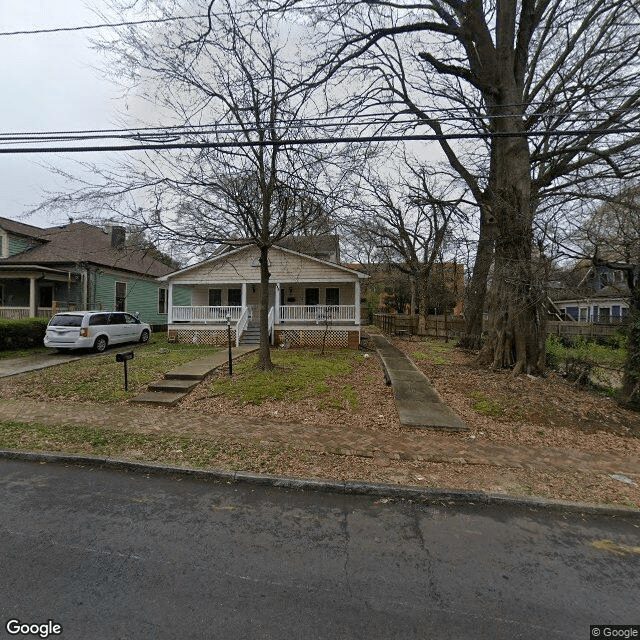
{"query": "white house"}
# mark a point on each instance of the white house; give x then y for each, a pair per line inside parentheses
(308, 296)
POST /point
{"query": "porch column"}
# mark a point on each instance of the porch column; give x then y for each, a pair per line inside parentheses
(276, 318)
(170, 305)
(32, 298)
(356, 292)
(243, 296)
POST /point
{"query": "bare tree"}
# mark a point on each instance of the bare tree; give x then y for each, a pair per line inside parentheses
(610, 238)
(237, 85)
(552, 89)
(409, 220)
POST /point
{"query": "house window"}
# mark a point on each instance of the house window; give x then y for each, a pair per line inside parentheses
(235, 297)
(312, 296)
(333, 296)
(215, 297)
(162, 301)
(121, 296)
(583, 314)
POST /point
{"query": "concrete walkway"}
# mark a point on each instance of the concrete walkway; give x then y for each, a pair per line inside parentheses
(418, 403)
(15, 366)
(179, 382)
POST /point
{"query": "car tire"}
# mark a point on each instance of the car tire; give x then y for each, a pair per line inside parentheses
(100, 344)
(144, 336)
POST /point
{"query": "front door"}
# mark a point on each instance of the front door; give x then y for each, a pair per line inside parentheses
(312, 296)
(45, 298)
(235, 297)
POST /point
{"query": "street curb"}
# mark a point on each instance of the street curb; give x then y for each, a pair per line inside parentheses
(440, 497)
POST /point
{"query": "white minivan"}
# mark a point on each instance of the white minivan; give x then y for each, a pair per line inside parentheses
(94, 330)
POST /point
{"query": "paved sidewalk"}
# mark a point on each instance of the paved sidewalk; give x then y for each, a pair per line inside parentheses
(410, 445)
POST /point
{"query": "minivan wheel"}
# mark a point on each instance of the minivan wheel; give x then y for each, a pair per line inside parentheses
(100, 344)
(144, 336)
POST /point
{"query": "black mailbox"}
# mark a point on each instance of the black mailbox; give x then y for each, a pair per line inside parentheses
(123, 357)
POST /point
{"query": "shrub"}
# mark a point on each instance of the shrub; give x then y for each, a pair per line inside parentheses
(22, 334)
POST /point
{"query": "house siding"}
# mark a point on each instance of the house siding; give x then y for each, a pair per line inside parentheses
(283, 266)
(142, 295)
(18, 244)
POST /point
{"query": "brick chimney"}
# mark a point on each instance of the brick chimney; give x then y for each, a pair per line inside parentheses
(118, 236)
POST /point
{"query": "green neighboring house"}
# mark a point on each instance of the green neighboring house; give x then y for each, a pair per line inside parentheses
(79, 266)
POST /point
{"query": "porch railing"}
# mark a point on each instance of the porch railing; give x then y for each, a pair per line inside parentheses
(205, 314)
(14, 313)
(241, 325)
(317, 313)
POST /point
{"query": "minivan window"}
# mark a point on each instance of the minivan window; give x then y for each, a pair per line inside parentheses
(65, 321)
(99, 318)
(129, 319)
(116, 318)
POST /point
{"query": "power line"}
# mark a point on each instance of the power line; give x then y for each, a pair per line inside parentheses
(103, 25)
(316, 141)
(315, 122)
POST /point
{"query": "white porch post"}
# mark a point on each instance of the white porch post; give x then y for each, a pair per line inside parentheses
(170, 304)
(356, 287)
(243, 295)
(32, 297)
(276, 318)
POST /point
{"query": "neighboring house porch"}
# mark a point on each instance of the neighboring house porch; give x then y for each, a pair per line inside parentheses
(34, 291)
(309, 300)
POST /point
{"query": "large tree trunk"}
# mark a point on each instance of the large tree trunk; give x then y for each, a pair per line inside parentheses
(477, 289)
(264, 353)
(517, 322)
(631, 382)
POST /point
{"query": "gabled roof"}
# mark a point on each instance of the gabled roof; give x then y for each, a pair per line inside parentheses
(225, 257)
(19, 228)
(82, 242)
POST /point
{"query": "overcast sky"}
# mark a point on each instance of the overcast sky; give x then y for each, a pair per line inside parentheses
(48, 83)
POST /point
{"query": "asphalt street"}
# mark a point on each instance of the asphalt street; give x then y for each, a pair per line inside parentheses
(118, 555)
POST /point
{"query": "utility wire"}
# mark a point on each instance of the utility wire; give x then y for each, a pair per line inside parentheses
(315, 141)
(172, 131)
(103, 25)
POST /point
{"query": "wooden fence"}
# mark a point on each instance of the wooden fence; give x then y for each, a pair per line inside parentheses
(433, 326)
(586, 329)
(453, 326)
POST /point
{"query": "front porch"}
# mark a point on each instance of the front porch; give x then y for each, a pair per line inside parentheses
(290, 323)
(30, 292)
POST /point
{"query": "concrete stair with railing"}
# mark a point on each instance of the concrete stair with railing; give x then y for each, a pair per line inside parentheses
(251, 335)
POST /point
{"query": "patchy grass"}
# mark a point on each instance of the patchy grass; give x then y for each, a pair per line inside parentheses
(298, 374)
(102, 379)
(24, 353)
(486, 406)
(174, 450)
(434, 350)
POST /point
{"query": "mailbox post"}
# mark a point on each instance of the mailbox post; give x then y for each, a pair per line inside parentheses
(228, 318)
(124, 357)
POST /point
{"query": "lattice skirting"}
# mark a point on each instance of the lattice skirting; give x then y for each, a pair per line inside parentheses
(292, 338)
(213, 337)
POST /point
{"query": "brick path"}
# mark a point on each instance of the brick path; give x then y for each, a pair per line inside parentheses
(405, 445)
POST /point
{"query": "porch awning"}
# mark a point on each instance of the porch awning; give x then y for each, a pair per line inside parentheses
(32, 271)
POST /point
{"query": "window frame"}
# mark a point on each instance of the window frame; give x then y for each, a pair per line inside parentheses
(163, 304)
(123, 298)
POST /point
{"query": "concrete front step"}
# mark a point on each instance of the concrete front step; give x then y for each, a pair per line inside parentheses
(164, 398)
(173, 385)
(178, 382)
